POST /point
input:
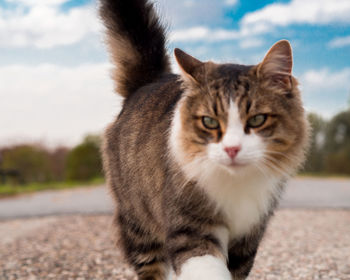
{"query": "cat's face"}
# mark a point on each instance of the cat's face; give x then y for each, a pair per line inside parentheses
(242, 117)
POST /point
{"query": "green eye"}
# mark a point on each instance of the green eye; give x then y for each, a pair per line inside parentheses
(257, 121)
(210, 123)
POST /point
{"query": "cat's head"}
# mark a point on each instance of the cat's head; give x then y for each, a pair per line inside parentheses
(240, 117)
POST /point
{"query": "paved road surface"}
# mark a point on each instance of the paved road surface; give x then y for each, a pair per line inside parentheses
(299, 244)
(300, 193)
(90, 200)
(317, 193)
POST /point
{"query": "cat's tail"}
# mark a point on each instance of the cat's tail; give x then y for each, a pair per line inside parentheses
(136, 40)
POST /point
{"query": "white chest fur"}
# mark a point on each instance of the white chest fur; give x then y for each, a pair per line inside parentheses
(244, 200)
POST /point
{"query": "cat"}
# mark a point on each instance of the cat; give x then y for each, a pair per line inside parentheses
(196, 162)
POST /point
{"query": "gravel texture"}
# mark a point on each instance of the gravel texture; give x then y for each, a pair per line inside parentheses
(299, 244)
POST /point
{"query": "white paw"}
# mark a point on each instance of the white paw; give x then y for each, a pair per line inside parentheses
(204, 268)
(171, 275)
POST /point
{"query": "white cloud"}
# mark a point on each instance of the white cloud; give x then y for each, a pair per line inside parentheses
(231, 2)
(325, 79)
(199, 33)
(300, 12)
(38, 2)
(264, 20)
(326, 91)
(182, 13)
(251, 43)
(189, 3)
(246, 38)
(55, 104)
(41, 23)
(340, 42)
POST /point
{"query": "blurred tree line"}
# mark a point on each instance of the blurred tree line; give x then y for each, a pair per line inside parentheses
(330, 145)
(31, 163)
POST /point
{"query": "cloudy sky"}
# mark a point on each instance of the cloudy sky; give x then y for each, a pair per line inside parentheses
(54, 70)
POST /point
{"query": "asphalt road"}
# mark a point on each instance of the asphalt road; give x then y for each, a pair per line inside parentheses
(307, 193)
(299, 244)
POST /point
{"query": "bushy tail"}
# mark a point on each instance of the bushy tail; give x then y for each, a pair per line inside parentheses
(136, 40)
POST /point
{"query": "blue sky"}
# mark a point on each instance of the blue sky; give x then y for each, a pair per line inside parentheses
(54, 69)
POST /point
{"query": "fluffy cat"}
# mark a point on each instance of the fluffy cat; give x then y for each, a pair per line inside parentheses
(196, 162)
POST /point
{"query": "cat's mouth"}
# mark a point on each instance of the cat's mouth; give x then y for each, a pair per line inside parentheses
(235, 164)
(232, 164)
(235, 167)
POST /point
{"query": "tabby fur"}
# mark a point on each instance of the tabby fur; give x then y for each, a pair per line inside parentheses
(181, 209)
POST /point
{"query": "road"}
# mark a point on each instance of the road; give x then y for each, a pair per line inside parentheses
(299, 244)
(300, 193)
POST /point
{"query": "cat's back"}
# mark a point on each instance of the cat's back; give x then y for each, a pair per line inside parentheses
(153, 102)
(146, 114)
(135, 145)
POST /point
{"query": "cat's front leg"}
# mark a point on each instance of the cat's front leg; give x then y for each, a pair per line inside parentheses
(242, 252)
(207, 267)
(198, 254)
(240, 265)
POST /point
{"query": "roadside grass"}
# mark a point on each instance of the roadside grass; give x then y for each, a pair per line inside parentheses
(323, 175)
(10, 190)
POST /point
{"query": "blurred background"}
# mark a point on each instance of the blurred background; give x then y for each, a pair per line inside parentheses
(56, 95)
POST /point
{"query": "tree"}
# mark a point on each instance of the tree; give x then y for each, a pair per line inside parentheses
(315, 159)
(337, 145)
(31, 162)
(84, 161)
(58, 159)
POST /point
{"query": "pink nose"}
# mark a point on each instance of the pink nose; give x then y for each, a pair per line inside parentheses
(232, 151)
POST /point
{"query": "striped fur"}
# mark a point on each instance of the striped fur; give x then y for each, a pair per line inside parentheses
(183, 206)
(136, 42)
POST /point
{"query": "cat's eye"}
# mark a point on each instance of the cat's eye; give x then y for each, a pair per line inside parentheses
(210, 123)
(257, 120)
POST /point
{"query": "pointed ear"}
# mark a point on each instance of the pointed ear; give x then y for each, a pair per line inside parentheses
(277, 65)
(188, 64)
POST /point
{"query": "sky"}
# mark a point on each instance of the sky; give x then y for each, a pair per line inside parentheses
(55, 84)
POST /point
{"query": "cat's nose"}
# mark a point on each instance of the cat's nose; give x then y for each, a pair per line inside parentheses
(232, 151)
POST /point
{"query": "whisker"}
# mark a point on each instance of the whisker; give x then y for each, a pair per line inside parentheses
(292, 158)
(262, 170)
(272, 164)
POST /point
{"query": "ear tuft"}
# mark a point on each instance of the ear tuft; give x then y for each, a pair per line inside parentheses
(277, 64)
(188, 64)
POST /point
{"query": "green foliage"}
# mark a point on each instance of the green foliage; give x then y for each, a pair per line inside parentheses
(9, 190)
(35, 167)
(58, 159)
(84, 161)
(337, 144)
(315, 159)
(330, 145)
(32, 162)
(338, 163)
(338, 132)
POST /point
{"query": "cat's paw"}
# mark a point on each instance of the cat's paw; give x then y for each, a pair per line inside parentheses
(204, 268)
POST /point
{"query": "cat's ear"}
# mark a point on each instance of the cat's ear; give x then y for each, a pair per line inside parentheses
(188, 64)
(277, 65)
